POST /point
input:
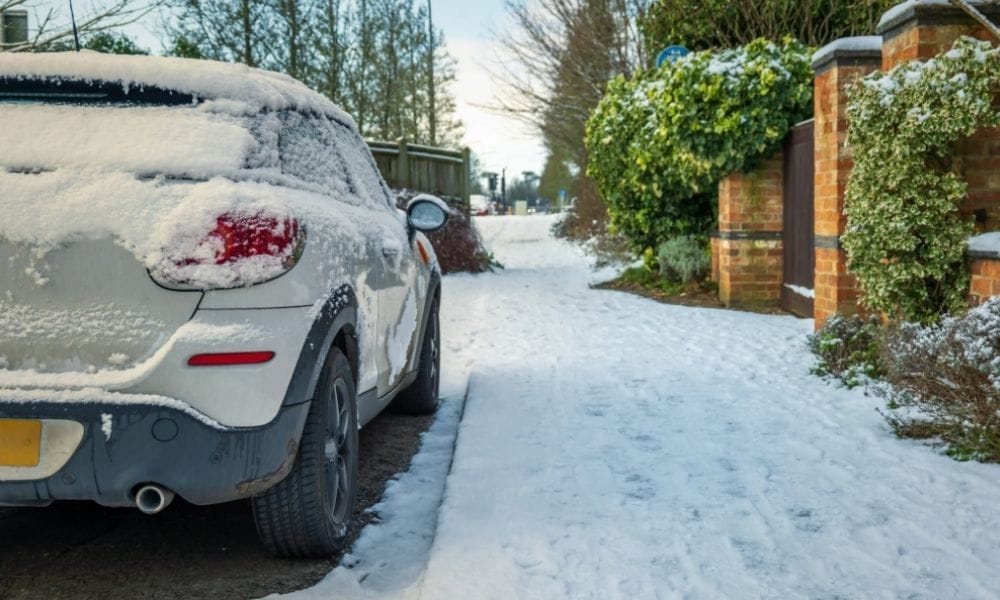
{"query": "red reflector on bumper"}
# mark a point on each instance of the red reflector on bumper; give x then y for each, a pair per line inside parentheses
(230, 358)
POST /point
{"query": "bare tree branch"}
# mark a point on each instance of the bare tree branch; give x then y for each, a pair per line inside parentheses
(52, 24)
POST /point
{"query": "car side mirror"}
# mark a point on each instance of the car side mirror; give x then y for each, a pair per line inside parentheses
(426, 213)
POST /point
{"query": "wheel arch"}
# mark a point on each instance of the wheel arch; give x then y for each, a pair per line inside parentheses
(433, 293)
(335, 326)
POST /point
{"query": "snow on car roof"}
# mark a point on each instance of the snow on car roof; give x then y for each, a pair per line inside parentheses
(206, 79)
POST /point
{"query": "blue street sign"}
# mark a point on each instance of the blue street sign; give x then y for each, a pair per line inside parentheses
(671, 54)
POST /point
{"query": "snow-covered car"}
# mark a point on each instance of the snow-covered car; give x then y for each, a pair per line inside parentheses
(205, 290)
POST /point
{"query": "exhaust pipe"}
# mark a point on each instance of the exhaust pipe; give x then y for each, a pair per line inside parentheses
(151, 499)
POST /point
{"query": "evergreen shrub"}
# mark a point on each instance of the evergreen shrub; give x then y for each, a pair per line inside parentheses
(660, 142)
(684, 258)
(906, 240)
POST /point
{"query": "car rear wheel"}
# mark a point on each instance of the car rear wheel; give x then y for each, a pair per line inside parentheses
(307, 514)
(421, 398)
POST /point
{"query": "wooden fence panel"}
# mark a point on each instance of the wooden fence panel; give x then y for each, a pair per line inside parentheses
(437, 171)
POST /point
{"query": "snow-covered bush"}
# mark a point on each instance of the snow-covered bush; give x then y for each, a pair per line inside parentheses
(660, 142)
(943, 381)
(905, 237)
(847, 349)
(458, 247)
(684, 258)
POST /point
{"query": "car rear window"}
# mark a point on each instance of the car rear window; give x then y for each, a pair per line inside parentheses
(59, 91)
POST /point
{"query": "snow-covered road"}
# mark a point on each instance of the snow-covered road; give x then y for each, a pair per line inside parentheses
(614, 447)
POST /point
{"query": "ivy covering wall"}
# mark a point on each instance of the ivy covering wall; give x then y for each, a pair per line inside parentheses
(906, 239)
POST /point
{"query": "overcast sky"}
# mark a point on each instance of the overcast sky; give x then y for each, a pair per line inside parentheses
(499, 140)
(468, 27)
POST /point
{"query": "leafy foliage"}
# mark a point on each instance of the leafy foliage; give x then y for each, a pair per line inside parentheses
(847, 349)
(905, 238)
(684, 258)
(943, 381)
(103, 41)
(660, 142)
(556, 177)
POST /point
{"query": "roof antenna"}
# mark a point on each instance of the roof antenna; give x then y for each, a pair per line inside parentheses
(76, 34)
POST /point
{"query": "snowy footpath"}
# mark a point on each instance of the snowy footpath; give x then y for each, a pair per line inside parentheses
(614, 447)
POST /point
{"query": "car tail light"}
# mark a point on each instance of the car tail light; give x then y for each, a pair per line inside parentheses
(246, 236)
(223, 359)
(239, 250)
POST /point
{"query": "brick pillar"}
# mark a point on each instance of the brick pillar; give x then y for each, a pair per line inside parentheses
(837, 66)
(985, 266)
(925, 29)
(714, 276)
(749, 244)
(919, 32)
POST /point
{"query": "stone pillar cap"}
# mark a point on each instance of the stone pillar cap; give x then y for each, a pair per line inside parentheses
(912, 9)
(986, 245)
(861, 47)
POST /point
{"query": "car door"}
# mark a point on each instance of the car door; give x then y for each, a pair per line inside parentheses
(318, 151)
(399, 314)
(399, 302)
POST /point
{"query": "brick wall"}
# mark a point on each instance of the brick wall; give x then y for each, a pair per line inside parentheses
(837, 67)
(749, 245)
(985, 279)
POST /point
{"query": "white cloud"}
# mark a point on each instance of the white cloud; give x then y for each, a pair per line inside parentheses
(499, 140)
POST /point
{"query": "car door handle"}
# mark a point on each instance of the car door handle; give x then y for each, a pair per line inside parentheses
(390, 249)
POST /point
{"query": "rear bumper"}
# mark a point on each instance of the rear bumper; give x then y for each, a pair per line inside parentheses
(125, 445)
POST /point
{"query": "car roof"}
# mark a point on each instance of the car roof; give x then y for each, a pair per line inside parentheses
(259, 90)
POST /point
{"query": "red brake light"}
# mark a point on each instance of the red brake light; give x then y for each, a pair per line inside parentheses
(244, 236)
(230, 358)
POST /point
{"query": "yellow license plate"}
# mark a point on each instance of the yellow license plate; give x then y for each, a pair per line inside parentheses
(20, 443)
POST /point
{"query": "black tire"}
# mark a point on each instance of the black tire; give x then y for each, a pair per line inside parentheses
(307, 514)
(421, 398)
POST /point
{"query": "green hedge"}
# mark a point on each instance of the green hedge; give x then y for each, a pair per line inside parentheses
(660, 143)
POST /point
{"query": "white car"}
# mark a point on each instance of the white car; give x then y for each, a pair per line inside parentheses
(206, 289)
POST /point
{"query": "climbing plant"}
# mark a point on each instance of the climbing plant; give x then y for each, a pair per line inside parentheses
(906, 238)
(661, 141)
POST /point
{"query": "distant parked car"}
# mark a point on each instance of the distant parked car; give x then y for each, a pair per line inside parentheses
(479, 205)
(205, 290)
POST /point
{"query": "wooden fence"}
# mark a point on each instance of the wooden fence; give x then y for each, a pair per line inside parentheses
(437, 171)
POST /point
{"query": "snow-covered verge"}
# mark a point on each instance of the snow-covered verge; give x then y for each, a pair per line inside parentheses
(613, 447)
(390, 556)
